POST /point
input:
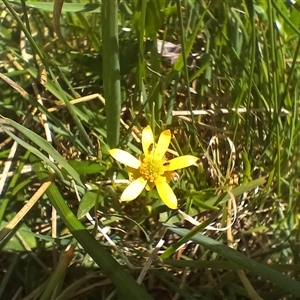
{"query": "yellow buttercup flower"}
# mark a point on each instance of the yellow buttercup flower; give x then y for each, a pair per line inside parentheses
(152, 169)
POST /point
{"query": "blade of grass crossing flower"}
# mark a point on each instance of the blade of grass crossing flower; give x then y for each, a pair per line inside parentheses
(111, 70)
(123, 281)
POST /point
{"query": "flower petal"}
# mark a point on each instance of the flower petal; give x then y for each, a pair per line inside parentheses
(147, 140)
(163, 144)
(181, 162)
(125, 158)
(133, 189)
(170, 175)
(166, 193)
(133, 173)
(149, 186)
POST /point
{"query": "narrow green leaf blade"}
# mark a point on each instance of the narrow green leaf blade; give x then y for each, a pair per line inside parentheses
(290, 285)
(43, 144)
(125, 284)
(67, 7)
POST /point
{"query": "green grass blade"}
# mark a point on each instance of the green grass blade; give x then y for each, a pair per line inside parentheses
(123, 281)
(111, 70)
(72, 112)
(24, 29)
(290, 285)
(67, 7)
(9, 193)
(43, 144)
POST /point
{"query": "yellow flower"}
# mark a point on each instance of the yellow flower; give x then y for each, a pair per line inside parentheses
(152, 168)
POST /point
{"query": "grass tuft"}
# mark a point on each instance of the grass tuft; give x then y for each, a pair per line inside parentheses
(78, 79)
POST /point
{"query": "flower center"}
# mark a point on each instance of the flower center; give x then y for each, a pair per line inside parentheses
(151, 168)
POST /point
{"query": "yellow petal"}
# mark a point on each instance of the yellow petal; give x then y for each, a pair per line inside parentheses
(163, 144)
(166, 193)
(125, 158)
(147, 140)
(149, 186)
(133, 189)
(133, 173)
(181, 162)
(170, 175)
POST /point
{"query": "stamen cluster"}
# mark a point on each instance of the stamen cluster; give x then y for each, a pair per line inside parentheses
(151, 168)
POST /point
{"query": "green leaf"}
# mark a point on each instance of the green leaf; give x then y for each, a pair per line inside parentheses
(189, 44)
(34, 151)
(87, 203)
(14, 244)
(123, 281)
(237, 191)
(154, 17)
(204, 62)
(290, 285)
(67, 7)
(86, 167)
(43, 144)
(111, 70)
